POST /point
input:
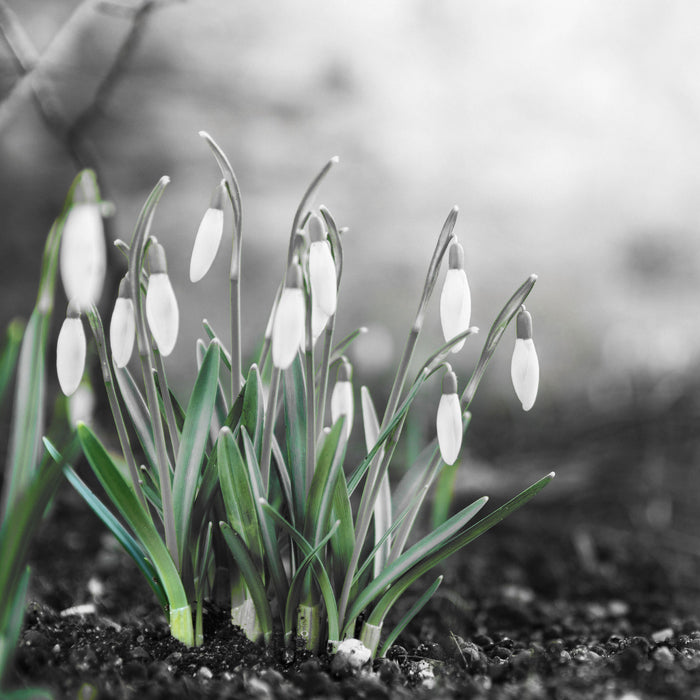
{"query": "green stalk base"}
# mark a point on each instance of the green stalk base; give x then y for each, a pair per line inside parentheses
(246, 618)
(370, 636)
(309, 626)
(181, 625)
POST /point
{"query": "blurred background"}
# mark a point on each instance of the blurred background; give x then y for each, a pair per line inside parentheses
(567, 132)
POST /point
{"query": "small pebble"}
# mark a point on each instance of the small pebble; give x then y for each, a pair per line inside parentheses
(352, 656)
(205, 674)
(664, 656)
(662, 635)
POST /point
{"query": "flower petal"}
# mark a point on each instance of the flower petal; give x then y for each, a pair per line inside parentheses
(455, 306)
(343, 404)
(70, 354)
(525, 372)
(162, 312)
(288, 327)
(206, 243)
(83, 255)
(122, 331)
(322, 275)
(449, 427)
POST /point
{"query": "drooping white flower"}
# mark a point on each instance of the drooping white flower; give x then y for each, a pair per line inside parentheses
(322, 273)
(455, 300)
(81, 404)
(288, 326)
(83, 254)
(122, 327)
(208, 238)
(342, 400)
(524, 366)
(162, 311)
(449, 420)
(70, 351)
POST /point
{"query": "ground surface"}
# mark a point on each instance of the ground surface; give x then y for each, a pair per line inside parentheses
(588, 592)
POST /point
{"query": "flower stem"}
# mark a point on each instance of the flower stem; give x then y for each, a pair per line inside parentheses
(270, 415)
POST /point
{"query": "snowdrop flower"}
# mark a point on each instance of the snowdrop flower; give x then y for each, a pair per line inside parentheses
(83, 255)
(449, 420)
(70, 351)
(342, 401)
(206, 242)
(122, 327)
(322, 272)
(456, 300)
(288, 326)
(524, 367)
(161, 305)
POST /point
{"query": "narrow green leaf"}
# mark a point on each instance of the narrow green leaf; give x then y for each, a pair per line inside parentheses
(195, 433)
(138, 411)
(122, 496)
(251, 576)
(386, 433)
(319, 570)
(12, 618)
(414, 610)
(8, 360)
(295, 431)
(419, 552)
(253, 408)
(283, 476)
(130, 545)
(296, 586)
(269, 537)
(237, 493)
(17, 532)
(320, 497)
(343, 542)
(452, 545)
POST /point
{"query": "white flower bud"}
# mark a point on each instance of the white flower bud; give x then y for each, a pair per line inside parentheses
(525, 367)
(322, 273)
(449, 420)
(208, 238)
(70, 352)
(342, 400)
(122, 327)
(455, 300)
(83, 255)
(319, 320)
(161, 305)
(288, 325)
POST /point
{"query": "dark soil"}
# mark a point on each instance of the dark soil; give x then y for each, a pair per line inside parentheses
(585, 593)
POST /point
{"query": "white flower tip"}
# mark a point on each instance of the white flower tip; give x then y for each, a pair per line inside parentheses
(449, 427)
(162, 312)
(525, 372)
(206, 243)
(288, 327)
(70, 355)
(335, 160)
(122, 331)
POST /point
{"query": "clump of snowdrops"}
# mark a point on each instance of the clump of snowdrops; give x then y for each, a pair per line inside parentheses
(245, 495)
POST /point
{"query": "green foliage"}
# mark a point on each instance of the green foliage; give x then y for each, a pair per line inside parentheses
(278, 510)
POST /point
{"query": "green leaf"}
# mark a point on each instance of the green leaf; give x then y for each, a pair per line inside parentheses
(414, 610)
(416, 554)
(130, 545)
(8, 360)
(452, 545)
(121, 494)
(193, 444)
(269, 537)
(319, 570)
(12, 623)
(295, 431)
(251, 575)
(296, 586)
(138, 411)
(343, 542)
(387, 432)
(253, 412)
(320, 496)
(18, 529)
(237, 493)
